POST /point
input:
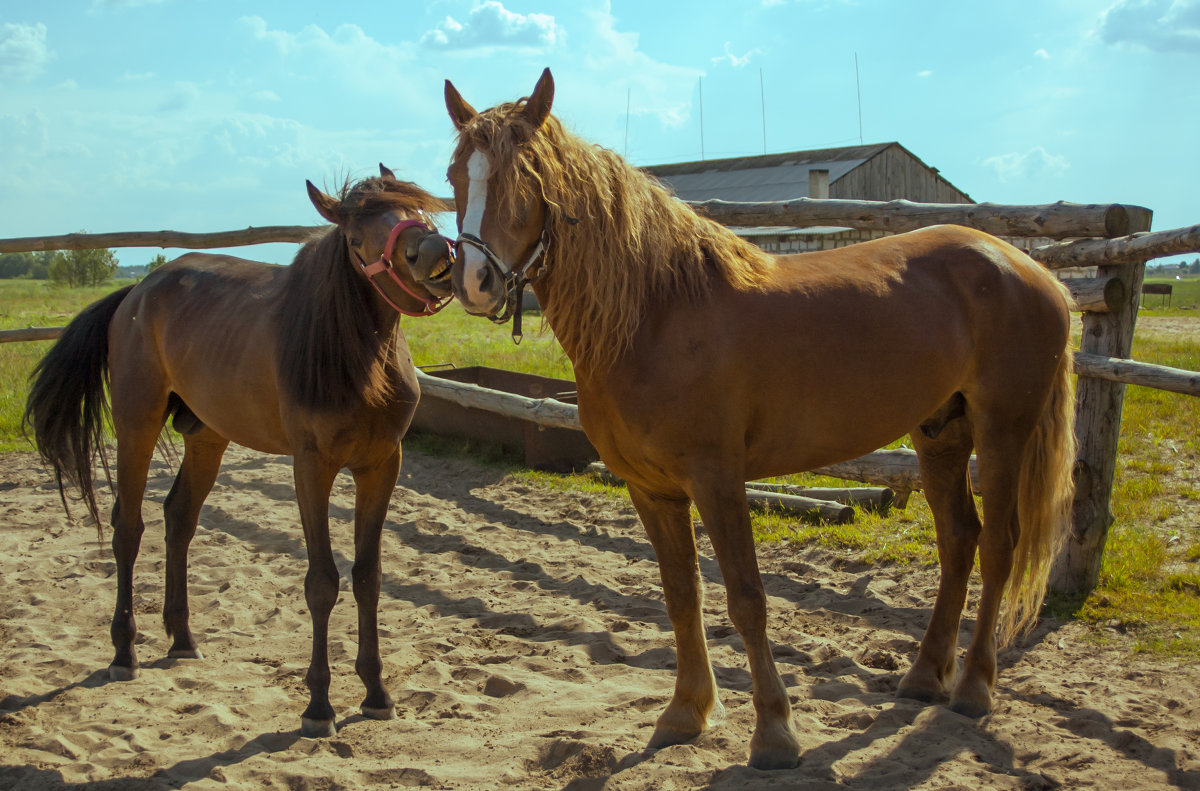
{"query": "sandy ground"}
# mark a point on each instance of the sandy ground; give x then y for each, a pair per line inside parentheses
(527, 646)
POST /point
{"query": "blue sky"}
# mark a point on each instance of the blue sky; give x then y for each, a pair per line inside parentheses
(121, 115)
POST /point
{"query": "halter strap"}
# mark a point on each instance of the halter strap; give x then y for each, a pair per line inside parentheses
(516, 279)
(384, 266)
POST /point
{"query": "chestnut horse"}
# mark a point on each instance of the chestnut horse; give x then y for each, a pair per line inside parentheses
(702, 362)
(305, 360)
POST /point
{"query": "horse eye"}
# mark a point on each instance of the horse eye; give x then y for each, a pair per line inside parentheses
(355, 243)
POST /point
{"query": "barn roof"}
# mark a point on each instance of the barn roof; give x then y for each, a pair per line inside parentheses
(770, 177)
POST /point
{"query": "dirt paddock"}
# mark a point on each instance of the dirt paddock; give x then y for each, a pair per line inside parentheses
(527, 646)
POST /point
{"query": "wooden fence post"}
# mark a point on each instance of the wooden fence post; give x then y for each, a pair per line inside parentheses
(1098, 405)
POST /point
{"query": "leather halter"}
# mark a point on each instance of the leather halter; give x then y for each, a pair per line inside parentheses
(384, 266)
(515, 279)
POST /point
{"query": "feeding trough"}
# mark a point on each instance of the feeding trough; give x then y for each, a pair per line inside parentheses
(544, 447)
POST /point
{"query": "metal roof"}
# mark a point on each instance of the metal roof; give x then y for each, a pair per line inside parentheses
(770, 177)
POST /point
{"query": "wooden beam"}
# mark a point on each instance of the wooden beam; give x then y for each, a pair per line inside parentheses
(30, 334)
(543, 411)
(1098, 407)
(1140, 246)
(1160, 377)
(187, 241)
(1096, 294)
(1055, 221)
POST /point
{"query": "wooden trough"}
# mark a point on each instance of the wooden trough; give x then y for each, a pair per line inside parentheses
(544, 447)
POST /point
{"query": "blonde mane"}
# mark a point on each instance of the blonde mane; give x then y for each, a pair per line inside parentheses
(634, 246)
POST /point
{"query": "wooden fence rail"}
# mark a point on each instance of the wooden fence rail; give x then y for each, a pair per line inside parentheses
(1114, 238)
(164, 239)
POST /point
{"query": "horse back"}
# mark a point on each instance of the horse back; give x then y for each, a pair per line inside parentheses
(838, 353)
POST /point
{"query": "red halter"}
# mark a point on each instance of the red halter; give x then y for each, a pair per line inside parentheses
(384, 265)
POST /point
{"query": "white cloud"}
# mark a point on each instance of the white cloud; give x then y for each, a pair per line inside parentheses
(23, 50)
(925, 73)
(663, 91)
(1155, 25)
(491, 26)
(737, 61)
(1043, 54)
(1033, 164)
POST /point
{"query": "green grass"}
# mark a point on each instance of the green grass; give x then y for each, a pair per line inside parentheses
(1150, 577)
(32, 303)
(1185, 297)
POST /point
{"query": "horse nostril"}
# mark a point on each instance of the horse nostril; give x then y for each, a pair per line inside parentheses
(485, 278)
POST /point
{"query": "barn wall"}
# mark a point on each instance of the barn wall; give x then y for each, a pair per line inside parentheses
(892, 174)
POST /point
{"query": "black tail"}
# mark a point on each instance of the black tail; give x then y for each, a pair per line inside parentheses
(67, 406)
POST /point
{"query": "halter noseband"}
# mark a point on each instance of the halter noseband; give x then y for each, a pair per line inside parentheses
(384, 266)
(516, 279)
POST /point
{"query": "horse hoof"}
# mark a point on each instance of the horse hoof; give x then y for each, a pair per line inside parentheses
(122, 673)
(773, 760)
(185, 653)
(916, 693)
(667, 737)
(970, 709)
(774, 747)
(317, 729)
(372, 713)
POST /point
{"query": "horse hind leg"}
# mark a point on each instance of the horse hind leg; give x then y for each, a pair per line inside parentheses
(137, 419)
(202, 453)
(944, 456)
(1001, 445)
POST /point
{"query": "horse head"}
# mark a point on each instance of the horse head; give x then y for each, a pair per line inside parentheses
(382, 219)
(503, 215)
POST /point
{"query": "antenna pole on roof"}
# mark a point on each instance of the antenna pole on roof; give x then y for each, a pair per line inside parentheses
(700, 83)
(628, 92)
(762, 92)
(858, 89)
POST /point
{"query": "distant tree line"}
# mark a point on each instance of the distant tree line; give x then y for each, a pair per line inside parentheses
(70, 268)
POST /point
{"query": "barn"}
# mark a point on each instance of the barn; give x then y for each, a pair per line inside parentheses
(878, 172)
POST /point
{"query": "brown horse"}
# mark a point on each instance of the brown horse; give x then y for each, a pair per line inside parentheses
(702, 363)
(305, 360)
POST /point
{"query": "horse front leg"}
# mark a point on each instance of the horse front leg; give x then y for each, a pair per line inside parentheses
(314, 481)
(373, 491)
(721, 500)
(694, 706)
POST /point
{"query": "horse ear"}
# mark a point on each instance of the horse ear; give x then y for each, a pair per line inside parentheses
(538, 106)
(328, 207)
(386, 172)
(461, 113)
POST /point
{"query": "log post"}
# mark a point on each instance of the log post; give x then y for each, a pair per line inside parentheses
(1098, 406)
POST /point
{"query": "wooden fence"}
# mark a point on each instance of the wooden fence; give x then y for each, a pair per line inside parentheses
(1114, 238)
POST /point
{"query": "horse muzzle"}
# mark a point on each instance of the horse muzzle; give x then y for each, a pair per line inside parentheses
(430, 264)
(479, 280)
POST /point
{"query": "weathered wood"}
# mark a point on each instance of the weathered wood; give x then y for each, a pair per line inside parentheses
(825, 510)
(1096, 294)
(872, 498)
(188, 241)
(1140, 246)
(895, 469)
(543, 411)
(1098, 410)
(1160, 377)
(30, 334)
(1054, 221)
(762, 500)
